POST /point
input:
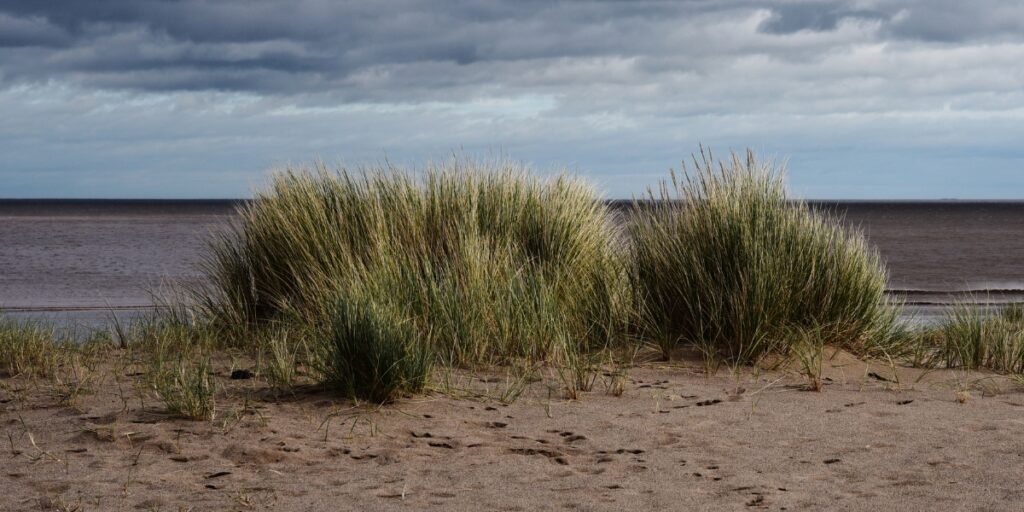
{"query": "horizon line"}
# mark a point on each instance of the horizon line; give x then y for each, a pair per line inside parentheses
(615, 199)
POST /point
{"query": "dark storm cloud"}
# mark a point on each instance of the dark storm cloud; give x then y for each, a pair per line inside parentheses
(384, 49)
(920, 20)
(814, 16)
(321, 45)
(953, 21)
(18, 32)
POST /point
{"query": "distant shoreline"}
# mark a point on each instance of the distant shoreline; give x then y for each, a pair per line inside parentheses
(614, 201)
(71, 207)
(911, 298)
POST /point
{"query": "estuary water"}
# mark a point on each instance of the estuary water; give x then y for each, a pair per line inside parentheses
(88, 259)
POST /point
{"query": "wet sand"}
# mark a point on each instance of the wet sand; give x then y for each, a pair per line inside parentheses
(876, 438)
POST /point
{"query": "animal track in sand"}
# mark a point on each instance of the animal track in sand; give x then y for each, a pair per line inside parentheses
(756, 501)
(554, 455)
(568, 436)
(188, 458)
(661, 384)
(248, 454)
(105, 419)
(336, 451)
(381, 457)
(668, 439)
(846, 406)
(705, 403)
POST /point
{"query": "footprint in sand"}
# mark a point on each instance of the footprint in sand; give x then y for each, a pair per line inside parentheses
(705, 403)
(668, 439)
(634, 451)
(248, 454)
(568, 436)
(554, 455)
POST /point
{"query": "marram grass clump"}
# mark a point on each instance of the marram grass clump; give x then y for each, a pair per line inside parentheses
(724, 261)
(972, 338)
(378, 274)
(481, 263)
(373, 350)
(367, 280)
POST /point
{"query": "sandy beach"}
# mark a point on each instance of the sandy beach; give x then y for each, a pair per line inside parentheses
(467, 256)
(876, 437)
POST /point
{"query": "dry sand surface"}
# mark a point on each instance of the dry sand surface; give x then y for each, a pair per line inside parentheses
(675, 440)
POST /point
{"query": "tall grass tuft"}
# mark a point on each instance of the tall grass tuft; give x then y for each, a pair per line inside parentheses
(374, 351)
(28, 347)
(481, 263)
(971, 338)
(185, 386)
(725, 261)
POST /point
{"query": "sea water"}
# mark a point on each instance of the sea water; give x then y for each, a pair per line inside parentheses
(88, 260)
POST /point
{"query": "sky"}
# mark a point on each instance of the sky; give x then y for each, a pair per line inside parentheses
(868, 99)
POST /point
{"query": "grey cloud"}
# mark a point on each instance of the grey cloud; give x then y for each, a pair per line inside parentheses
(815, 16)
(114, 86)
(18, 32)
(957, 21)
(328, 45)
(373, 50)
(919, 20)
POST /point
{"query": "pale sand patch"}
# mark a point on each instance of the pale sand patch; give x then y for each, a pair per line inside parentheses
(675, 440)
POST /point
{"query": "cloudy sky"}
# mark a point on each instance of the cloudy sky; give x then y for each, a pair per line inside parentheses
(199, 98)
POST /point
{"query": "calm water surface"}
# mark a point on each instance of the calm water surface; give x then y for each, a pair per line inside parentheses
(84, 259)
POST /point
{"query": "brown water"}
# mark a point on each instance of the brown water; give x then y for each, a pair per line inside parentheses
(86, 258)
(934, 248)
(943, 252)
